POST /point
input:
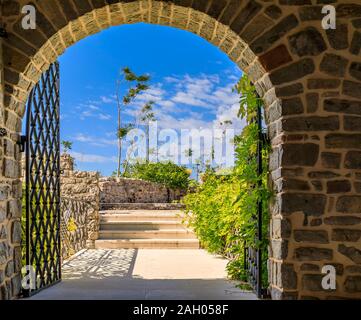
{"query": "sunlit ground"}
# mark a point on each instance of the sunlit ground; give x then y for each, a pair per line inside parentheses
(145, 274)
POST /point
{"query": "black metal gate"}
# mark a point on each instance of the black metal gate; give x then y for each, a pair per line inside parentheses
(41, 235)
(253, 260)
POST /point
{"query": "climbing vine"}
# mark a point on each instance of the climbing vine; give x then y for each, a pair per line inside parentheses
(223, 209)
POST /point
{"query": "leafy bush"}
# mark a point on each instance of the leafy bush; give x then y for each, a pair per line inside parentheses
(223, 209)
(167, 173)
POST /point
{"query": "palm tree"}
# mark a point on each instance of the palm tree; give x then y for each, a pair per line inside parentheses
(147, 116)
(67, 145)
(135, 86)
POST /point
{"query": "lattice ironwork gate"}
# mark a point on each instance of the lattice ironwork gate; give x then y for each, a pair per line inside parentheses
(253, 257)
(41, 226)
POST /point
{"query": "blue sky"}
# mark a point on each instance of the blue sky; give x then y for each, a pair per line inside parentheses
(191, 83)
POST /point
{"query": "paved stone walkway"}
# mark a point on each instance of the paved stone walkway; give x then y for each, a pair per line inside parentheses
(144, 274)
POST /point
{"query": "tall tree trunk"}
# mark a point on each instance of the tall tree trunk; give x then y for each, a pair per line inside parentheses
(147, 143)
(119, 126)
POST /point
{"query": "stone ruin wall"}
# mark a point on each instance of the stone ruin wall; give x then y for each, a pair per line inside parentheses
(80, 191)
(123, 190)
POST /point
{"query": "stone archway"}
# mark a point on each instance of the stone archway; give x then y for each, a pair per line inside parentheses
(309, 78)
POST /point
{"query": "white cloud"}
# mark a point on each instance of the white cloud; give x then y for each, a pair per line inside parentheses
(181, 102)
(189, 99)
(166, 103)
(171, 122)
(92, 158)
(95, 141)
(229, 113)
(92, 113)
(154, 93)
(93, 107)
(109, 99)
(103, 116)
(203, 91)
(171, 79)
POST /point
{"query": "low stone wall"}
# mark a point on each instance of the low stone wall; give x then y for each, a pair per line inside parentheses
(74, 226)
(80, 190)
(122, 190)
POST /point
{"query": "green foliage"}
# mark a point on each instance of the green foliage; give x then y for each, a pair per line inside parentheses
(124, 130)
(223, 209)
(67, 145)
(167, 173)
(147, 113)
(140, 85)
(135, 85)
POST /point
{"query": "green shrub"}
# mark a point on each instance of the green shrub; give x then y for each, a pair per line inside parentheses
(167, 173)
(223, 209)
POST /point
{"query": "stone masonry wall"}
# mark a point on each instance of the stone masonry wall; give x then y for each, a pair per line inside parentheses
(309, 78)
(120, 190)
(83, 187)
(10, 204)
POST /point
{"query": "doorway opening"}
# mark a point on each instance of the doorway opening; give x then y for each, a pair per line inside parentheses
(82, 217)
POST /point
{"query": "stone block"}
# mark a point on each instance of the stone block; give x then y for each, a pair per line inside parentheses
(293, 72)
(310, 267)
(355, 46)
(294, 184)
(343, 141)
(309, 13)
(353, 269)
(334, 65)
(342, 220)
(289, 90)
(352, 89)
(346, 235)
(352, 253)
(275, 57)
(288, 277)
(299, 154)
(331, 160)
(313, 254)
(277, 294)
(279, 249)
(308, 42)
(320, 83)
(4, 192)
(353, 284)
(355, 70)
(352, 123)
(309, 204)
(312, 102)
(16, 232)
(316, 222)
(273, 11)
(338, 38)
(312, 282)
(348, 10)
(311, 123)
(353, 160)
(338, 186)
(312, 236)
(265, 41)
(349, 204)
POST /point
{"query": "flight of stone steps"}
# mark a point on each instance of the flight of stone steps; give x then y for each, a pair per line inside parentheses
(151, 226)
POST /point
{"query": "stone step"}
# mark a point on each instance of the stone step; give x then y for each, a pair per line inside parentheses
(141, 225)
(140, 215)
(147, 234)
(147, 244)
(141, 206)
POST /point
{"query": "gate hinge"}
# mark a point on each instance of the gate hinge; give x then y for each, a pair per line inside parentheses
(22, 143)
